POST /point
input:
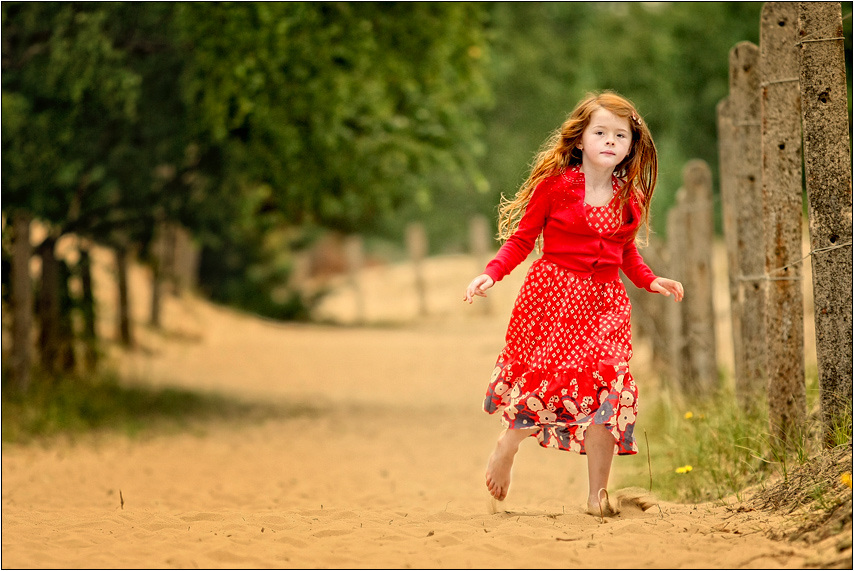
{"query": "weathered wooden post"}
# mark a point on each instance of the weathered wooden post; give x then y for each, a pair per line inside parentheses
(479, 239)
(87, 307)
(22, 302)
(652, 314)
(658, 322)
(186, 260)
(123, 313)
(416, 244)
(49, 306)
(744, 98)
(691, 236)
(783, 209)
(729, 209)
(158, 256)
(677, 342)
(827, 162)
(354, 252)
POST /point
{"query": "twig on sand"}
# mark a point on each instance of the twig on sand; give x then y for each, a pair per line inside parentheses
(121, 500)
(648, 461)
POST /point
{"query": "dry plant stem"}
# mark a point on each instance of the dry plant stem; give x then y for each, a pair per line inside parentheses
(648, 460)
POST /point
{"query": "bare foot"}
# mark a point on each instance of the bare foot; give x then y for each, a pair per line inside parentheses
(601, 505)
(500, 463)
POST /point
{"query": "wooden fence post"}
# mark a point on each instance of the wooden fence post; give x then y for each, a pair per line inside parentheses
(783, 209)
(827, 162)
(48, 306)
(652, 315)
(123, 314)
(744, 98)
(87, 307)
(676, 341)
(186, 260)
(416, 244)
(22, 302)
(158, 257)
(726, 154)
(479, 240)
(691, 235)
(354, 252)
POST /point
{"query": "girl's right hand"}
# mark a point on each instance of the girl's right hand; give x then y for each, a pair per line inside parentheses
(478, 287)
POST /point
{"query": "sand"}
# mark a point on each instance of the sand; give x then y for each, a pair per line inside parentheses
(377, 460)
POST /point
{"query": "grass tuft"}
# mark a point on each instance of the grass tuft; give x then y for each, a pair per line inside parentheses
(711, 450)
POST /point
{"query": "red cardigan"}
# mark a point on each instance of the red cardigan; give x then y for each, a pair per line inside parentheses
(556, 210)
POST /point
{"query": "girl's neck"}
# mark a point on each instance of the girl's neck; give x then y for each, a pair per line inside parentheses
(597, 178)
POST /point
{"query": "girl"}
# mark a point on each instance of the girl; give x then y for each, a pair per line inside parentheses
(563, 375)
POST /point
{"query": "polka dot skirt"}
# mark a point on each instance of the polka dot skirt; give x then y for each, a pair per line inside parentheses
(565, 362)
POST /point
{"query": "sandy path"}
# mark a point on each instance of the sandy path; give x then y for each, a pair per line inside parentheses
(382, 468)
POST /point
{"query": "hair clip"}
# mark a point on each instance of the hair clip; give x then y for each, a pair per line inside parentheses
(636, 119)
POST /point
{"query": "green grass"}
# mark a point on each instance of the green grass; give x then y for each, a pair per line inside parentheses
(75, 405)
(710, 450)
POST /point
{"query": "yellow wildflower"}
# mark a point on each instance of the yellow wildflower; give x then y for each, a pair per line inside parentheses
(689, 415)
(846, 479)
(684, 469)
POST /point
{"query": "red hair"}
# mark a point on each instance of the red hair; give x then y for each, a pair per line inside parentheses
(638, 171)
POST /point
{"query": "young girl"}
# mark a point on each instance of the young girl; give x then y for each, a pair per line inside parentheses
(563, 376)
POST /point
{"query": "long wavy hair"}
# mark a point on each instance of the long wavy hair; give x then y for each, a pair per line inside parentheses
(638, 172)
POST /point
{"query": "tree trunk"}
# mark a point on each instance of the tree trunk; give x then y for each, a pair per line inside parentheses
(22, 303)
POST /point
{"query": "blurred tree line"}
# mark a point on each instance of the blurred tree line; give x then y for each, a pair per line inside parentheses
(258, 126)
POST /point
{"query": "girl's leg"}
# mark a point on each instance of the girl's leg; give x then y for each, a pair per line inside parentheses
(501, 461)
(599, 446)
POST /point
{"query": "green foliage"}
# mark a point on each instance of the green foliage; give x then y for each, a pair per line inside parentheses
(60, 70)
(346, 116)
(344, 110)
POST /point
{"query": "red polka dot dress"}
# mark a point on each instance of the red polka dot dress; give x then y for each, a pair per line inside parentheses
(568, 344)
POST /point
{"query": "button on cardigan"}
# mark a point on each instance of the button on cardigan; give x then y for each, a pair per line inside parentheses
(557, 210)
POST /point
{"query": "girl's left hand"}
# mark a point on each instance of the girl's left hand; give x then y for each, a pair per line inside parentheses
(666, 286)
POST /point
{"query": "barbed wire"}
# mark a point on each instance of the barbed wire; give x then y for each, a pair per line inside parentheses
(767, 276)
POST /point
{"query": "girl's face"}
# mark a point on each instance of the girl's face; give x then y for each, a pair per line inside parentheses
(606, 140)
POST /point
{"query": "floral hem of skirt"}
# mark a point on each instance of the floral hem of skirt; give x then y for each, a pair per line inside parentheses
(561, 404)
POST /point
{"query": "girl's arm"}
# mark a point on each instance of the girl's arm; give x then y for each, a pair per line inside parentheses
(635, 268)
(639, 273)
(521, 243)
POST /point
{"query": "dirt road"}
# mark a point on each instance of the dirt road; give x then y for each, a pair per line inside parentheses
(378, 463)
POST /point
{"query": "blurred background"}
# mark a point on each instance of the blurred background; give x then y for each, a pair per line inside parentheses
(264, 130)
(254, 151)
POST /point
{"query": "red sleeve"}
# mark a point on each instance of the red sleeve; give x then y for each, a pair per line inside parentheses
(519, 245)
(635, 268)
